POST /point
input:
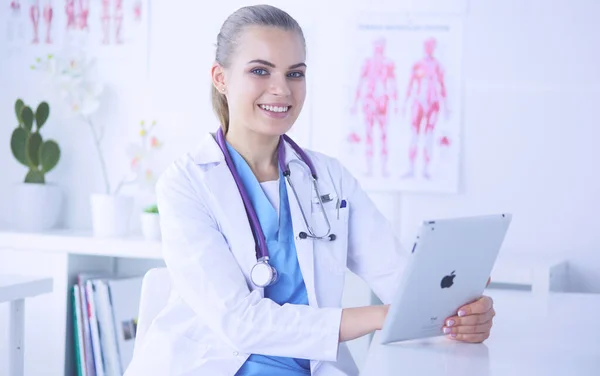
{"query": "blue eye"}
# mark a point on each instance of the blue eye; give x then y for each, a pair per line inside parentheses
(259, 71)
(296, 75)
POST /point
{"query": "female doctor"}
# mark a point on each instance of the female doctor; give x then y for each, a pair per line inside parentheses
(257, 233)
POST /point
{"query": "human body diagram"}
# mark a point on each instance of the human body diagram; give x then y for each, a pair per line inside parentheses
(426, 95)
(41, 15)
(112, 21)
(375, 90)
(77, 12)
(34, 22)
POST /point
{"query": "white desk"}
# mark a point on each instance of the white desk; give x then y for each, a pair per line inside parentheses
(15, 289)
(552, 335)
(62, 254)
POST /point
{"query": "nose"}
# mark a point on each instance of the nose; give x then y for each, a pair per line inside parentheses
(279, 86)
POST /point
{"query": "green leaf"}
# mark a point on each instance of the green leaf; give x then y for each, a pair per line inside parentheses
(35, 176)
(41, 114)
(18, 143)
(49, 155)
(34, 142)
(18, 108)
(151, 209)
(27, 117)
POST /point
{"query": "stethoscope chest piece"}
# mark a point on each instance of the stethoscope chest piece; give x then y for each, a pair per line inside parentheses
(263, 274)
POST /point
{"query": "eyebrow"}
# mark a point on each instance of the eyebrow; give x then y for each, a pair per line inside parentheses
(264, 62)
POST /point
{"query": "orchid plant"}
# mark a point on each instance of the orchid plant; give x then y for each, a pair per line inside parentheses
(73, 77)
(140, 156)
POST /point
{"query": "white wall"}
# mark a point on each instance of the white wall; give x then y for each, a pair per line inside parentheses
(532, 91)
(532, 84)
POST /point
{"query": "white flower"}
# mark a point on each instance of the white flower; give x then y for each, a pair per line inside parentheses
(72, 75)
(141, 156)
(148, 179)
(136, 154)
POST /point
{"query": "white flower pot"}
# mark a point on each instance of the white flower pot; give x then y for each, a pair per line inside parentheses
(37, 207)
(111, 214)
(150, 226)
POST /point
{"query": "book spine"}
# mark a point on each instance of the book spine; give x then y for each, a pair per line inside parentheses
(77, 327)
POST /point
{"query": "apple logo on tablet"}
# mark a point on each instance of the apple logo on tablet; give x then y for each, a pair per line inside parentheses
(448, 280)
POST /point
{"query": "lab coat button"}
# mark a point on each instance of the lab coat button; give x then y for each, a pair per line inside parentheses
(235, 353)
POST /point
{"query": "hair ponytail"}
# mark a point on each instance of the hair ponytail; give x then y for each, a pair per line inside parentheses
(221, 108)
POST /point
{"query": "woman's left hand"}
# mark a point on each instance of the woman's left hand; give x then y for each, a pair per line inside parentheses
(473, 321)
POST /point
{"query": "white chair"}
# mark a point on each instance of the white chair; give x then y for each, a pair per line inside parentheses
(15, 289)
(156, 289)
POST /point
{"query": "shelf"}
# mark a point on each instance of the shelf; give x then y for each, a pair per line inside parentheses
(13, 287)
(541, 272)
(80, 242)
(538, 271)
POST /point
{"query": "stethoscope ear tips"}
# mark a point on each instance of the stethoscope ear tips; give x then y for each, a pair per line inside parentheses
(304, 235)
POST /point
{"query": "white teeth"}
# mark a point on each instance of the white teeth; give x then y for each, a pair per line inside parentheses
(274, 108)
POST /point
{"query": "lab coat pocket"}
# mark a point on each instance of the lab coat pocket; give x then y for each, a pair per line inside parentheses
(167, 352)
(330, 257)
(198, 336)
(332, 254)
(329, 203)
(194, 353)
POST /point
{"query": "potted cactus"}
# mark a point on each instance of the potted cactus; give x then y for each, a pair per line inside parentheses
(38, 203)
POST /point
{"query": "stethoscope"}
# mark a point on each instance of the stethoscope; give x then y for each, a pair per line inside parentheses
(264, 274)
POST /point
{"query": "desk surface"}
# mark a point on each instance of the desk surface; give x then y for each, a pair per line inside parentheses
(553, 335)
(13, 287)
(79, 242)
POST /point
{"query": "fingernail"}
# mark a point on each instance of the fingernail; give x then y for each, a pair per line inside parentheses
(450, 322)
(453, 335)
(447, 330)
(461, 313)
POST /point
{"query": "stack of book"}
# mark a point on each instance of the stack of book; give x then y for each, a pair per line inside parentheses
(105, 322)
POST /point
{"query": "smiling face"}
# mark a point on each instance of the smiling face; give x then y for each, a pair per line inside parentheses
(265, 81)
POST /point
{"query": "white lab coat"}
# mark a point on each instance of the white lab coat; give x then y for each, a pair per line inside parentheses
(216, 317)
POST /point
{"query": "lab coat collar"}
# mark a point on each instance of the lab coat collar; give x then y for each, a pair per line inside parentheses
(220, 182)
(208, 151)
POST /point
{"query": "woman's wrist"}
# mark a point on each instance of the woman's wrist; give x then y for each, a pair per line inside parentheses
(383, 310)
(359, 321)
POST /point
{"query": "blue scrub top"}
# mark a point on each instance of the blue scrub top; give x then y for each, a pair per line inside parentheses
(290, 287)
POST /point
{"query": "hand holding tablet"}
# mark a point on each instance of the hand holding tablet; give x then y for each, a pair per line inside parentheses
(473, 321)
(441, 291)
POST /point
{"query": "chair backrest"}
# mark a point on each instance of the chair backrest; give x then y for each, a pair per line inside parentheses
(156, 289)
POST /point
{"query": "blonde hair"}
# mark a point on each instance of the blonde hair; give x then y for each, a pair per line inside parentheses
(256, 15)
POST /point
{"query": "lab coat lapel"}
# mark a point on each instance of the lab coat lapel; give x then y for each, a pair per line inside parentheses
(304, 247)
(236, 228)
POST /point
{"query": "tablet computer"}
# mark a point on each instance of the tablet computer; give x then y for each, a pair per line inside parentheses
(449, 266)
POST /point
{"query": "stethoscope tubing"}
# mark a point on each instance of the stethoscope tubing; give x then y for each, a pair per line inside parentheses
(262, 252)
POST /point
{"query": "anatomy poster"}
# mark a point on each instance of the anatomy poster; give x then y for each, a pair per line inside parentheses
(403, 117)
(28, 24)
(104, 28)
(118, 29)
